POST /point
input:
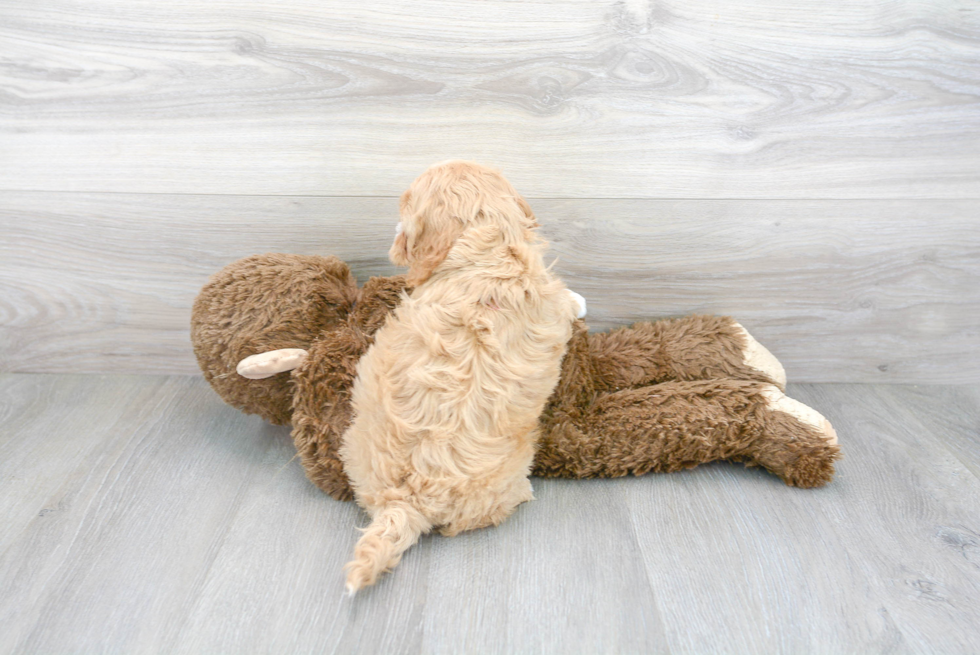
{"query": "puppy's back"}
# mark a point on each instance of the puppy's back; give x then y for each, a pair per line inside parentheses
(448, 398)
(453, 390)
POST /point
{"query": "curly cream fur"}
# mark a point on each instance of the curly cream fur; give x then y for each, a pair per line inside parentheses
(448, 398)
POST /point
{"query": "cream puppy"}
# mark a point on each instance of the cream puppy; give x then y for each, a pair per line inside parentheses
(447, 399)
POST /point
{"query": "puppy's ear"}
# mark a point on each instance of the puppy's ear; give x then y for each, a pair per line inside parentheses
(532, 222)
(429, 248)
(398, 254)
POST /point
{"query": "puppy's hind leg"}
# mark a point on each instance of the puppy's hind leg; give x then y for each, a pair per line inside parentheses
(494, 512)
(395, 528)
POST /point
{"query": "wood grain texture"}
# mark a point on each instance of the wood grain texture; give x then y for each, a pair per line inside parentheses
(571, 98)
(152, 518)
(861, 291)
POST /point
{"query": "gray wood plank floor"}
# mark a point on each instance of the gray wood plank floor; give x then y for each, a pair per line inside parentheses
(140, 514)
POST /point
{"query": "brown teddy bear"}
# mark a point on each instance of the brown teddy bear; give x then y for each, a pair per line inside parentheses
(659, 396)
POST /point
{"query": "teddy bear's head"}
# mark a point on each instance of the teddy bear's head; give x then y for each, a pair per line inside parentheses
(261, 303)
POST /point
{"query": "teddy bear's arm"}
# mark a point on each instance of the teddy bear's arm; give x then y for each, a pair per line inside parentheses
(264, 365)
(322, 404)
(689, 348)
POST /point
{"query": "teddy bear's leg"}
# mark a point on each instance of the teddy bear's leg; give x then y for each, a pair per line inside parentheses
(807, 460)
(689, 348)
(677, 425)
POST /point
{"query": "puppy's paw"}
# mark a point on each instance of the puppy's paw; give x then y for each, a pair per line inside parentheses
(780, 402)
(580, 301)
(757, 357)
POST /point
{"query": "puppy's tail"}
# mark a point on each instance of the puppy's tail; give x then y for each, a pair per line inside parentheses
(393, 531)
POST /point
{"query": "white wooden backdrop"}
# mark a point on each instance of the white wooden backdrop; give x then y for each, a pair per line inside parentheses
(811, 168)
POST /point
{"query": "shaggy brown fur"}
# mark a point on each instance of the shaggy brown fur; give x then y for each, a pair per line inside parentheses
(661, 396)
(599, 425)
(320, 406)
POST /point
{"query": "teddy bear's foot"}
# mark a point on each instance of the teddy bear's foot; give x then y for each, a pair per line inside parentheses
(756, 356)
(780, 402)
(800, 445)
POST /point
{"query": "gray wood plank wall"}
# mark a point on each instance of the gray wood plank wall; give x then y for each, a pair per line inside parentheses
(839, 290)
(574, 98)
(813, 170)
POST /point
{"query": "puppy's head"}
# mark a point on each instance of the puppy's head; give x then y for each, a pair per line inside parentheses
(446, 200)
